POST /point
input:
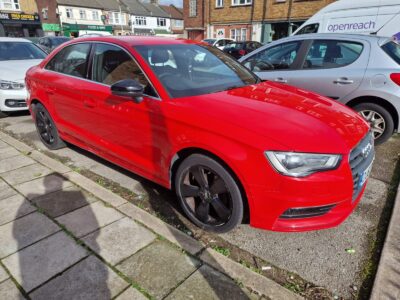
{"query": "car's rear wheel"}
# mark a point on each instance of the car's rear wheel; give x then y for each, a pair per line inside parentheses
(208, 194)
(380, 120)
(3, 114)
(46, 128)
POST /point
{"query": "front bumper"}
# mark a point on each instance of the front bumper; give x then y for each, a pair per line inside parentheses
(13, 100)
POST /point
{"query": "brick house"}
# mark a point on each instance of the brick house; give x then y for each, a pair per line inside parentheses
(258, 20)
(50, 19)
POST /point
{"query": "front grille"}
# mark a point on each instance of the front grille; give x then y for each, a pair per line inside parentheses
(306, 212)
(360, 159)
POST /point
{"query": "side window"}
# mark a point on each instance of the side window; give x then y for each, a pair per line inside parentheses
(71, 60)
(112, 64)
(278, 57)
(324, 54)
(311, 28)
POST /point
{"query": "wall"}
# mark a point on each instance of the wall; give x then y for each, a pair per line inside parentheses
(28, 6)
(51, 5)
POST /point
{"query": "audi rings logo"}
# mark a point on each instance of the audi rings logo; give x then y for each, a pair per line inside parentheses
(366, 150)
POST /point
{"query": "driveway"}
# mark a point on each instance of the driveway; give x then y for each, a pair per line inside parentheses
(337, 259)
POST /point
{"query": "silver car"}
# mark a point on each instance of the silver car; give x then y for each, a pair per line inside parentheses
(360, 71)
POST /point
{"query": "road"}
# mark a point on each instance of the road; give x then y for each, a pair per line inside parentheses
(319, 257)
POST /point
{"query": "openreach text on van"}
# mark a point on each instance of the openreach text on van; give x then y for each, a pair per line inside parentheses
(352, 26)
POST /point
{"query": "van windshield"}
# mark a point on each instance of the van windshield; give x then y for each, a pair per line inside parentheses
(311, 28)
(393, 50)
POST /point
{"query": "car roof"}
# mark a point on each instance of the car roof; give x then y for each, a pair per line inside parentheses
(12, 39)
(332, 36)
(138, 40)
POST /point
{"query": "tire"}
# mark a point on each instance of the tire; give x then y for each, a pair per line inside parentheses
(46, 128)
(208, 194)
(3, 114)
(374, 114)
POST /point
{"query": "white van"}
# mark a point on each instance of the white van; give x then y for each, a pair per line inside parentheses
(380, 17)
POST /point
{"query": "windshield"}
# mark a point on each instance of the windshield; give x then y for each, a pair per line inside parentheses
(209, 41)
(20, 51)
(59, 40)
(234, 46)
(190, 70)
(393, 50)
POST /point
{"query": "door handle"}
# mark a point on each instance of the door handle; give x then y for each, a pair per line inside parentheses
(89, 103)
(280, 80)
(343, 80)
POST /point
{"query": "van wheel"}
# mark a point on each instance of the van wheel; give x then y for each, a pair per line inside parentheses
(46, 128)
(380, 120)
(3, 114)
(208, 194)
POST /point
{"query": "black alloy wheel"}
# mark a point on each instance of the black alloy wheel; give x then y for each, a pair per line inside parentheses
(46, 128)
(208, 194)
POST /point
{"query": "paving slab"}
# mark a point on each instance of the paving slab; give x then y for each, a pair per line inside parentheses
(38, 263)
(3, 275)
(3, 145)
(25, 174)
(386, 158)
(206, 284)
(42, 186)
(9, 291)
(6, 191)
(24, 232)
(59, 203)
(14, 207)
(14, 163)
(159, 268)
(131, 294)
(89, 218)
(8, 152)
(88, 279)
(119, 240)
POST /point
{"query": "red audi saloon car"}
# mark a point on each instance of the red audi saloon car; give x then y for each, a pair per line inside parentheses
(190, 118)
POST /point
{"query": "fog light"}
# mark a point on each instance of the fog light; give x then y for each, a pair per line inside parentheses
(306, 212)
(15, 103)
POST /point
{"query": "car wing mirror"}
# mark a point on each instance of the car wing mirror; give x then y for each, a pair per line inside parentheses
(128, 88)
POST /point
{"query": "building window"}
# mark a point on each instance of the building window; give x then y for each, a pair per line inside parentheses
(241, 2)
(193, 8)
(141, 21)
(179, 23)
(9, 4)
(95, 15)
(161, 22)
(219, 3)
(115, 18)
(45, 13)
(239, 34)
(82, 14)
(70, 13)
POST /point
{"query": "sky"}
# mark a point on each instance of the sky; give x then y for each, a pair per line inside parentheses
(177, 3)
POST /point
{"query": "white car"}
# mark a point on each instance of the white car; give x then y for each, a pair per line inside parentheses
(16, 57)
(219, 43)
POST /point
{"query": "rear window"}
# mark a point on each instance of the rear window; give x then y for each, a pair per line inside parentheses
(393, 50)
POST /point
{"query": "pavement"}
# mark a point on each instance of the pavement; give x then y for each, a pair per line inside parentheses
(65, 237)
(319, 257)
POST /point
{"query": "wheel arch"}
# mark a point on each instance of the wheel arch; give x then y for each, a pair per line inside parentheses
(179, 157)
(379, 101)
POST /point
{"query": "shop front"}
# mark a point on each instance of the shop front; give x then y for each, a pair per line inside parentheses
(75, 30)
(20, 25)
(51, 29)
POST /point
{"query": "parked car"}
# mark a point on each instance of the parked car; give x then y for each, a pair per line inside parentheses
(239, 49)
(230, 146)
(49, 43)
(380, 18)
(219, 43)
(16, 57)
(360, 71)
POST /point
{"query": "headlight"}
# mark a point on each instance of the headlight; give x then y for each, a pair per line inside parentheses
(302, 164)
(10, 85)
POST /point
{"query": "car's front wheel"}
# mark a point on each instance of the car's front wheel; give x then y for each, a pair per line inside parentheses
(46, 128)
(208, 194)
(380, 120)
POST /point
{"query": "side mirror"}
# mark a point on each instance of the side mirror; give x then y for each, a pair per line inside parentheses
(128, 88)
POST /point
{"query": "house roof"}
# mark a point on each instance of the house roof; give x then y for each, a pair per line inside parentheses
(112, 5)
(173, 11)
(136, 8)
(80, 3)
(155, 10)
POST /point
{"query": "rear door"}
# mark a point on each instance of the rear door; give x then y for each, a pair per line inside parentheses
(332, 67)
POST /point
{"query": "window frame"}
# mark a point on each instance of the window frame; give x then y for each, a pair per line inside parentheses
(237, 2)
(70, 12)
(160, 21)
(192, 8)
(219, 3)
(142, 19)
(82, 12)
(95, 15)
